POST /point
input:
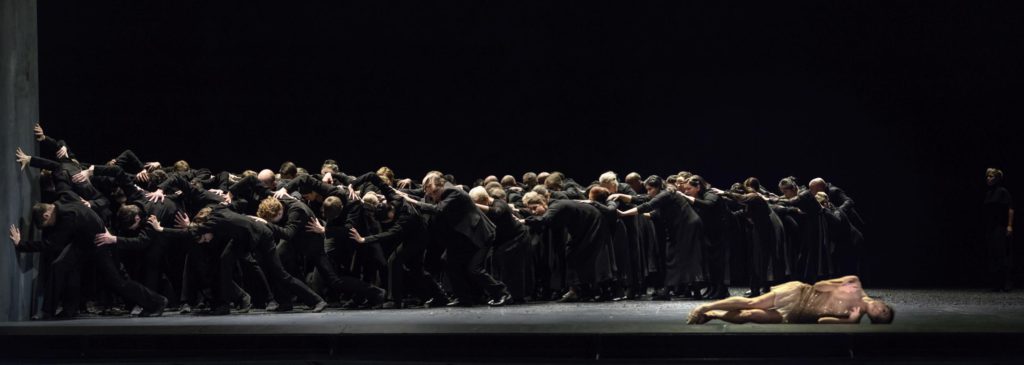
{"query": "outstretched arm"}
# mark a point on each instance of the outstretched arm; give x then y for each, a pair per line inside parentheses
(833, 284)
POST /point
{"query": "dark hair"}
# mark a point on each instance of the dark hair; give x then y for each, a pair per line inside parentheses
(156, 178)
(892, 315)
(697, 182)
(737, 188)
(288, 170)
(332, 207)
(126, 215)
(655, 181)
(37, 213)
(753, 183)
(788, 183)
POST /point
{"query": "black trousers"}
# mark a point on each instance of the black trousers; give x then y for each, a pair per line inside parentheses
(466, 271)
(281, 283)
(406, 269)
(292, 254)
(108, 267)
(63, 284)
(510, 266)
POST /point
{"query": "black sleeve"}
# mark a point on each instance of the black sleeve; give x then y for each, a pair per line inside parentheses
(710, 202)
(654, 203)
(52, 145)
(141, 242)
(396, 232)
(845, 202)
(296, 219)
(129, 161)
(44, 163)
(56, 239)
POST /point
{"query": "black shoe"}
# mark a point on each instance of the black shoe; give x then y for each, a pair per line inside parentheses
(319, 307)
(662, 295)
(64, 315)
(569, 297)
(185, 309)
(394, 305)
(245, 303)
(435, 302)
(272, 306)
(282, 308)
(159, 311)
(221, 310)
(500, 300)
(374, 300)
(459, 303)
(352, 304)
(41, 316)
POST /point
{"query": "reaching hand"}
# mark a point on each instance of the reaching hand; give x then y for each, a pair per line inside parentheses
(82, 176)
(152, 165)
(155, 223)
(181, 220)
(22, 158)
(15, 235)
(315, 226)
(105, 238)
(142, 176)
(328, 178)
(218, 192)
(156, 196)
(403, 184)
(86, 202)
(62, 152)
(38, 129)
(280, 194)
(258, 219)
(352, 195)
(352, 232)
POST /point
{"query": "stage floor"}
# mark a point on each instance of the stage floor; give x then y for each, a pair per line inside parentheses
(917, 310)
(925, 319)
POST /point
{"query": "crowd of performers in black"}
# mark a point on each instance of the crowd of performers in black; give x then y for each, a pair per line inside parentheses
(123, 235)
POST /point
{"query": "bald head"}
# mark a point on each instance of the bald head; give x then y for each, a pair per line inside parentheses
(817, 185)
(266, 177)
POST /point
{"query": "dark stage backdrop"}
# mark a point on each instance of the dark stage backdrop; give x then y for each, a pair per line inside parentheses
(903, 104)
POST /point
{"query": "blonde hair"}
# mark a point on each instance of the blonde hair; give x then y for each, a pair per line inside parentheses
(534, 198)
(478, 194)
(269, 208)
(608, 178)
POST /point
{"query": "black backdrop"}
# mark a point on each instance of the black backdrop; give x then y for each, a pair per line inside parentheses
(903, 104)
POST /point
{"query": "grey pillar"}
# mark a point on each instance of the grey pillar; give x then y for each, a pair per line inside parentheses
(19, 110)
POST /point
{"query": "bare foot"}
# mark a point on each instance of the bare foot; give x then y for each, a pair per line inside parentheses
(697, 316)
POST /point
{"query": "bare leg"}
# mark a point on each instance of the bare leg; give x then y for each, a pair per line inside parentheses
(764, 301)
(761, 316)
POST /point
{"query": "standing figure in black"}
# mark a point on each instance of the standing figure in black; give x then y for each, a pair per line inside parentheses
(302, 237)
(468, 236)
(684, 240)
(997, 218)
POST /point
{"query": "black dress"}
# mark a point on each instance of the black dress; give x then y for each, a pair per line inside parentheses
(995, 218)
(586, 249)
(684, 238)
